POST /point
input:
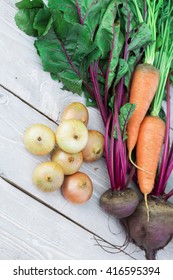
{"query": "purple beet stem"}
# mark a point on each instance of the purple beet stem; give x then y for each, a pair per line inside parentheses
(120, 157)
(79, 12)
(159, 187)
(115, 150)
(167, 157)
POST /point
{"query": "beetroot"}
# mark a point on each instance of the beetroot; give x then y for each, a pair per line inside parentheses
(154, 234)
(120, 204)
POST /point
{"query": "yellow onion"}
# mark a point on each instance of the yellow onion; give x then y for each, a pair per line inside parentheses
(48, 176)
(70, 163)
(95, 146)
(76, 110)
(77, 188)
(72, 136)
(39, 139)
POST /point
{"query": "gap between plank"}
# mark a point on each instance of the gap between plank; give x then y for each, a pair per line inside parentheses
(95, 236)
(34, 108)
(28, 104)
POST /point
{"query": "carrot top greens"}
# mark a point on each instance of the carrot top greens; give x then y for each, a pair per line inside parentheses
(152, 19)
(92, 47)
(164, 53)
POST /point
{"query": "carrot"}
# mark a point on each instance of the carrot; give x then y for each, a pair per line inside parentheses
(148, 150)
(143, 88)
(146, 78)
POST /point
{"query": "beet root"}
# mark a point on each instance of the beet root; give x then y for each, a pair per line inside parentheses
(120, 204)
(154, 234)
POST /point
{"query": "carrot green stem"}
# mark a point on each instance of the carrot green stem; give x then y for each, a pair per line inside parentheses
(164, 56)
(140, 17)
(152, 17)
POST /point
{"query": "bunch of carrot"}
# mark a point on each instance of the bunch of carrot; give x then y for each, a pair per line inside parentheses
(146, 132)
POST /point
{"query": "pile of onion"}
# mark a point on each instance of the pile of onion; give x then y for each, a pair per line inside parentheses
(71, 145)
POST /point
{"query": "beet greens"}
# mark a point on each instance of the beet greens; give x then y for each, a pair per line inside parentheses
(91, 47)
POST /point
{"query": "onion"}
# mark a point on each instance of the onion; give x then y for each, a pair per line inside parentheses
(77, 188)
(39, 139)
(95, 146)
(76, 110)
(72, 136)
(48, 176)
(70, 163)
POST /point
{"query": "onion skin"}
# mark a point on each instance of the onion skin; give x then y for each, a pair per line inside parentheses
(77, 188)
(95, 146)
(76, 110)
(70, 163)
(48, 176)
(72, 136)
(39, 139)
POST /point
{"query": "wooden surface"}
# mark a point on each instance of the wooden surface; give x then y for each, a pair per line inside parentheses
(35, 225)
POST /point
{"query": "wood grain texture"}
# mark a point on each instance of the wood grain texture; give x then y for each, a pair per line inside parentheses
(18, 165)
(21, 72)
(29, 230)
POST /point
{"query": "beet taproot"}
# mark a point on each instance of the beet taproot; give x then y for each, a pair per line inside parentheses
(154, 234)
(120, 204)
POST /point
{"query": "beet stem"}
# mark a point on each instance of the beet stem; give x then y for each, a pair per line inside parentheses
(160, 186)
(93, 74)
(107, 152)
(107, 73)
(112, 162)
(79, 12)
(131, 174)
(167, 196)
(120, 158)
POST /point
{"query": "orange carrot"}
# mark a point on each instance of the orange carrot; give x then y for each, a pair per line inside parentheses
(143, 88)
(148, 150)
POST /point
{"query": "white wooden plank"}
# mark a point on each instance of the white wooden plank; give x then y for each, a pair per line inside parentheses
(17, 165)
(21, 71)
(30, 230)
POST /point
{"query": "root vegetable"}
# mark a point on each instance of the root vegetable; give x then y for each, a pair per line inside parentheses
(76, 110)
(48, 176)
(143, 88)
(95, 146)
(72, 136)
(149, 145)
(70, 163)
(77, 188)
(153, 235)
(120, 204)
(39, 139)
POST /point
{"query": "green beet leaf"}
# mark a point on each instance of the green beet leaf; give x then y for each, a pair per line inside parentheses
(123, 68)
(29, 4)
(55, 61)
(126, 112)
(25, 19)
(118, 42)
(26, 15)
(104, 35)
(140, 38)
(42, 21)
(67, 7)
